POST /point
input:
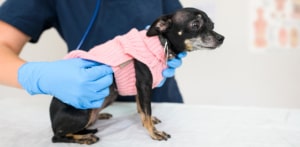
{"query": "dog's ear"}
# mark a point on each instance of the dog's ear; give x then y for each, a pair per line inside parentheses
(160, 25)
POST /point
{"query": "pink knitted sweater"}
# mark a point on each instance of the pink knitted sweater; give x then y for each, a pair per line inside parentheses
(119, 54)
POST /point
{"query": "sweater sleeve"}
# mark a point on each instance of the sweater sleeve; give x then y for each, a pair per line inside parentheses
(31, 17)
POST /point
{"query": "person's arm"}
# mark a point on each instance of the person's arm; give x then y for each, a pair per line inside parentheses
(81, 83)
(11, 43)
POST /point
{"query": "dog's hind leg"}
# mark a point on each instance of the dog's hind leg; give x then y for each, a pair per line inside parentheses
(144, 87)
(85, 136)
(68, 127)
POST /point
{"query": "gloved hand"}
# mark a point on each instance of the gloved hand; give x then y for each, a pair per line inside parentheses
(172, 65)
(81, 83)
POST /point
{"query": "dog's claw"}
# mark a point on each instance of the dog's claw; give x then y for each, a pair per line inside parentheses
(155, 120)
(160, 135)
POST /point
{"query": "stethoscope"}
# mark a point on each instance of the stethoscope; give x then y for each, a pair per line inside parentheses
(88, 29)
(92, 21)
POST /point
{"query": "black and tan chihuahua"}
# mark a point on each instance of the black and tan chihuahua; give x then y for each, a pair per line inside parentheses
(187, 29)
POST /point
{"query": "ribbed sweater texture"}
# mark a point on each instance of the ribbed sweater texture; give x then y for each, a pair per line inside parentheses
(119, 54)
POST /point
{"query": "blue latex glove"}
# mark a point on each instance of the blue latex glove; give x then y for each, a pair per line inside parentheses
(172, 65)
(81, 83)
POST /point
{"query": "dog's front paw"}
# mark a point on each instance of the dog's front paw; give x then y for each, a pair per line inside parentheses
(160, 135)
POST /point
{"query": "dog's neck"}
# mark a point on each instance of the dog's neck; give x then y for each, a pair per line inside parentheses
(165, 43)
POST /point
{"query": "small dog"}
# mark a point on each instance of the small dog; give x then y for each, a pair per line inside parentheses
(187, 29)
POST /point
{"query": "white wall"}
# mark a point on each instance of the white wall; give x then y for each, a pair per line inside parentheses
(230, 75)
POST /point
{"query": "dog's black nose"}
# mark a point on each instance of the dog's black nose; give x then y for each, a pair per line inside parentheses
(220, 38)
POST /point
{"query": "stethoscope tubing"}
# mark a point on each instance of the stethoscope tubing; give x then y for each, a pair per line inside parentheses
(88, 29)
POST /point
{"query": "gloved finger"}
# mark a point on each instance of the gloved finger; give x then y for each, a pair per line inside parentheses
(96, 104)
(84, 63)
(97, 72)
(102, 82)
(169, 72)
(92, 101)
(94, 95)
(174, 63)
(182, 55)
(84, 105)
(81, 103)
(102, 93)
(91, 104)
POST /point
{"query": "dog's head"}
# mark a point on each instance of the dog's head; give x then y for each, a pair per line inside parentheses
(188, 29)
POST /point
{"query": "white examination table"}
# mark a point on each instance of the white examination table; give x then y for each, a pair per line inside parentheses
(25, 122)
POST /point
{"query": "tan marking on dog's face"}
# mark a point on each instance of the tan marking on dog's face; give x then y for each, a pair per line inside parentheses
(188, 45)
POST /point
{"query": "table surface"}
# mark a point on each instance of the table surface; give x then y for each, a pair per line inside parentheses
(25, 122)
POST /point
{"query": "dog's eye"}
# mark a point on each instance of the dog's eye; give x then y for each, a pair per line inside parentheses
(195, 25)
